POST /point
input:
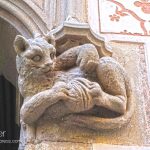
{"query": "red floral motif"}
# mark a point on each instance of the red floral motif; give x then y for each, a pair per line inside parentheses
(145, 6)
(114, 17)
(121, 13)
(124, 12)
(117, 15)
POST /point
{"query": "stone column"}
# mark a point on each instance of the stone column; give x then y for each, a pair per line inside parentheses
(59, 11)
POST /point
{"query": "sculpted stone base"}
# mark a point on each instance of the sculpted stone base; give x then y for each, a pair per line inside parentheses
(52, 132)
(60, 146)
(81, 146)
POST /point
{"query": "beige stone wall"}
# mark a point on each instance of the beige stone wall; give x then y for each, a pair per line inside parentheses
(132, 57)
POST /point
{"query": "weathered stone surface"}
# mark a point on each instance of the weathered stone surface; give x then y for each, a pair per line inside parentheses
(60, 146)
(81, 146)
(117, 147)
(130, 55)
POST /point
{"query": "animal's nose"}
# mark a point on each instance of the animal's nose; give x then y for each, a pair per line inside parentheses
(49, 63)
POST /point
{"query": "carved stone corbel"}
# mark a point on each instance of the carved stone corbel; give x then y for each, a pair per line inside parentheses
(71, 34)
(70, 79)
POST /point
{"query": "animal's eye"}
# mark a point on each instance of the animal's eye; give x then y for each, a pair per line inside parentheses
(37, 58)
(52, 55)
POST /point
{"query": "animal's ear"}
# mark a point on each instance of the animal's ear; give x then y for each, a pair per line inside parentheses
(20, 44)
(50, 39)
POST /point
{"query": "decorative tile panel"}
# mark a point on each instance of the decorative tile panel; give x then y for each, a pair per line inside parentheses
(130, 17)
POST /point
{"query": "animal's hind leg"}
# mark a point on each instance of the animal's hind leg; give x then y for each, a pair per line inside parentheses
(111, 76)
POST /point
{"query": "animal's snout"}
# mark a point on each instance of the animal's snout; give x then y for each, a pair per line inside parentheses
(49, 63)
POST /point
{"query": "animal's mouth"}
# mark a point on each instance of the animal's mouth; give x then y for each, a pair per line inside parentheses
(47, 70)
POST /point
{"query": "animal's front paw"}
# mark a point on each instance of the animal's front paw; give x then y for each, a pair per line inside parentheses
(90, 66)
(88, 58)
(61, 90)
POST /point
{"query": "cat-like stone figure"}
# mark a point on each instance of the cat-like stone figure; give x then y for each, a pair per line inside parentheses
(75, 81)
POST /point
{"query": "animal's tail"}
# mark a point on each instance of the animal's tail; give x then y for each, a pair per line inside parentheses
(98, 123)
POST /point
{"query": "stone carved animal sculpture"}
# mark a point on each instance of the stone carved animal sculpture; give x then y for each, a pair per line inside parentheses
(77, 78)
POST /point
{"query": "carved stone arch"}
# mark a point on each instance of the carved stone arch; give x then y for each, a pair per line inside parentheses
(22, 17)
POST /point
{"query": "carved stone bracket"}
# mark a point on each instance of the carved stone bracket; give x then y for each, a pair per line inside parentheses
(71, 85)
(72, 34)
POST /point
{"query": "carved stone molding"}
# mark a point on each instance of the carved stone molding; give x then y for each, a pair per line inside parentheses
(72, 34)
(18, 13)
